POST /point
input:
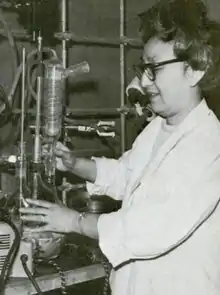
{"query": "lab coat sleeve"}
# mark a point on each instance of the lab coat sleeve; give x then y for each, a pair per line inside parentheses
(150, 227)
(112, 177)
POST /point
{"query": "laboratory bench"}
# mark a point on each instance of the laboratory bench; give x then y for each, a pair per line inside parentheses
(51, 282)
(80, 263)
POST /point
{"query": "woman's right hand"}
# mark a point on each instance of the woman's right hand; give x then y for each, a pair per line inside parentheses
(65, 160)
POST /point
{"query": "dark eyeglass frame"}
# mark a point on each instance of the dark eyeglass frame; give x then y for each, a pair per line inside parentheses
(149, 69)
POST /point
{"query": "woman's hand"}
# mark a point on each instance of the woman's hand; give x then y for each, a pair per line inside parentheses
(65, 160)
(55, 217)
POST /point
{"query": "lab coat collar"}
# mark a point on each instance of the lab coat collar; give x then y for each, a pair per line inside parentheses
(196, 117)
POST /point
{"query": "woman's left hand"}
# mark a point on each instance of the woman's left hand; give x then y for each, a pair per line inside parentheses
(54, 217)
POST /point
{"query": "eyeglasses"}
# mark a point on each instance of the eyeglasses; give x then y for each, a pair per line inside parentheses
(150, 69)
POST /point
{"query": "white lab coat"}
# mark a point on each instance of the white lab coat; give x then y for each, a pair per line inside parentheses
(163, 200)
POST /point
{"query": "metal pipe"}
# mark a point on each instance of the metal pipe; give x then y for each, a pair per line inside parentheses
(86, 113)
(64, 27)
(99, 41)
(122, 74)
(23, 106)
(82, 40)
(99, 112)
(63, 30)
(22, 162)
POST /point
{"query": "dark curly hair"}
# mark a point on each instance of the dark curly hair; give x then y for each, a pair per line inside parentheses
(196, 37)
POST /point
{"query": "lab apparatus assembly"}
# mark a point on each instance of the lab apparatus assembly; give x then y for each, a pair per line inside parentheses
(37, 102)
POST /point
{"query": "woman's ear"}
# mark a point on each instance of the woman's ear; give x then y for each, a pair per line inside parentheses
(193, 76)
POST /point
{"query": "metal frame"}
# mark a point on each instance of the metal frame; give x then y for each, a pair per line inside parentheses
(123, 41)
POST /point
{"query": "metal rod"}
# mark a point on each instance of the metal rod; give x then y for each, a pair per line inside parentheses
(122, 74)
(99, 41)
(23, 105)
(22, 162)
(64, 27)
(95, 113)
(98, 112)
(83, 40)
(82, 112)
